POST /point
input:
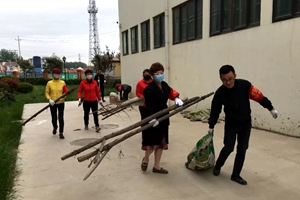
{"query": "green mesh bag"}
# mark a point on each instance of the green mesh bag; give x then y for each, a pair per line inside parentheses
(203, 154)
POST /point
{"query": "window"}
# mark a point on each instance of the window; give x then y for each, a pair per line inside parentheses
(187, 21)
(232, 15)
(285, 9)
(125, 42)
(145, 35)
(159, 31)
(134, 40)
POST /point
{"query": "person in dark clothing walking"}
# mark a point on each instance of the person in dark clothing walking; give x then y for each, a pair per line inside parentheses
(91, 98)
(234, 95)
(99, 78)
(156, 138)
(125, 89)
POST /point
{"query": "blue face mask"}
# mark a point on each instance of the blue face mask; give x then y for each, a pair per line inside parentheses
(159, 78)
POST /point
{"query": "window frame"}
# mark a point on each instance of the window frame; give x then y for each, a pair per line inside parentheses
(161, 34)
(136, 42)
(126, 46)
(232, 26)
(190, 22)
(293, 12)
(148, 44)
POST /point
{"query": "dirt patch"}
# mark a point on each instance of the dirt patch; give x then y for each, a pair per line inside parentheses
(83, 142)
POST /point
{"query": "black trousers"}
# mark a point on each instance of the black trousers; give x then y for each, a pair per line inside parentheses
(60, 108)
(102, 91)
(126, 93)
(242, 134)
(87, 106)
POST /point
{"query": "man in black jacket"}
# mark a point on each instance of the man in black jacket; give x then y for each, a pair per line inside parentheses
(234, 95)
(99, 77)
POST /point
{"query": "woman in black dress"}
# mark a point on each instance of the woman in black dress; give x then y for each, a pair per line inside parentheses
(156, 138)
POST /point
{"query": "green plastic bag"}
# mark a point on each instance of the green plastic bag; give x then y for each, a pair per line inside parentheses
(203, 154)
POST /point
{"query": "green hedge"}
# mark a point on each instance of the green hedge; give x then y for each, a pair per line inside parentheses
(43, 81)
(25, 88)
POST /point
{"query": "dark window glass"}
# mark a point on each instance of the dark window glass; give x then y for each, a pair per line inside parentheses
(176, 25)
(191, 19)
(215, 16)
(183, 24)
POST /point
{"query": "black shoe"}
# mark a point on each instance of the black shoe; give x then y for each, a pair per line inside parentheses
(61, 136)
(54, 131)
(239, 180)
(103, 100)
(216, 172)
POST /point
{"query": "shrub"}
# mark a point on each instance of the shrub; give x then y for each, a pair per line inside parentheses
(12, 77)
(35, 81)
(25, 88)
(4, 86)
(116, 81)
(13, 84)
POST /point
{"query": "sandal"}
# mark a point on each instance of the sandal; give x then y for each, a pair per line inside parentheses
(160, 171)
(144, 166)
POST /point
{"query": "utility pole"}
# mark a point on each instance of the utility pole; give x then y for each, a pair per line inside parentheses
(79, 57)
(19, 45)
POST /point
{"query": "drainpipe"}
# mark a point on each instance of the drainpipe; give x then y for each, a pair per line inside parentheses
(167, 67)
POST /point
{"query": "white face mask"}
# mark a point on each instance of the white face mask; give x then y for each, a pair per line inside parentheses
(56, 75)
(89, 76)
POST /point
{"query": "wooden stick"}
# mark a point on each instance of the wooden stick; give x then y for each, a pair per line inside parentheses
(117, 141)
(96, 165)
(37, 113)
(123, 105)
(107, 147)
(120, 132)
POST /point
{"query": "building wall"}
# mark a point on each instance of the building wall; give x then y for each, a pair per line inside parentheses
(266, 55)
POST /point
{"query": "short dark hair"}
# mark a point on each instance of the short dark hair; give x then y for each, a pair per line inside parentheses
(88, 71)
(155, 67)
(225, 69)
(146, 70)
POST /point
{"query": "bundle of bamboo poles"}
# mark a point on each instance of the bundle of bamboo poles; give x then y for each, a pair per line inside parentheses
(112, 111)
(102, 151)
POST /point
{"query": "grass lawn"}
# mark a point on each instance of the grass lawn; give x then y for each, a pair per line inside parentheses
(10, 112)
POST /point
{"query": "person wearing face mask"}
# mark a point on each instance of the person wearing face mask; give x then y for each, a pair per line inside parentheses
(54, 89)
(91, 98)
(140, 86)
(124, 91)
(156, 138)
(235, 94)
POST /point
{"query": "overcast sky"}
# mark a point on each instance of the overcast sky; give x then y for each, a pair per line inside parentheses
(56, 26)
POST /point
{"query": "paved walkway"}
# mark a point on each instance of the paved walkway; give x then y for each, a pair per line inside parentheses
(271, 168)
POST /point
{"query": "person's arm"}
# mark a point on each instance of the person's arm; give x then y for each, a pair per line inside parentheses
(256, 95)
(65, 88)
(149, 101)
(216, 108)
(173, 94)
(47, 91)
(97, 90)
(139, 90)
(79, 93)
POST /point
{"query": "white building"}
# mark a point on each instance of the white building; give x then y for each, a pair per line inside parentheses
(194, 38)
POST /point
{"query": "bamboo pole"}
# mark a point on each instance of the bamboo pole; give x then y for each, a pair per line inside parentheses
(107, 147)
(120, 132)
(37, 113)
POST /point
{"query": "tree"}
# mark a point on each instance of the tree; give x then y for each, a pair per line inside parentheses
(53, 62)
(104, 61)
(8, 55)
(75, 65)
(25, 66)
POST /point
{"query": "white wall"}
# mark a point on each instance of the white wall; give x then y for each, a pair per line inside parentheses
(266, 55)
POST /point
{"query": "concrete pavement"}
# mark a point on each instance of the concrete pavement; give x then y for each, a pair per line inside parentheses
(271, 168)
